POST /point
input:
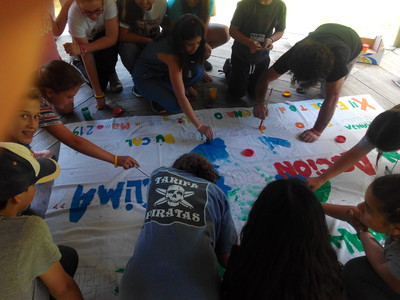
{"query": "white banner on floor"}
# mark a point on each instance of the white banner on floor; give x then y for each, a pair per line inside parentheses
(99, 209)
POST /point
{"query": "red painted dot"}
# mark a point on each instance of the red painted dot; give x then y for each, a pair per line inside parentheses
(180, 121)
(100, 126)
(248, 152)
(340, 139)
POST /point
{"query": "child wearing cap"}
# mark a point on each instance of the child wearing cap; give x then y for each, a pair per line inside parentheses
(27, 251)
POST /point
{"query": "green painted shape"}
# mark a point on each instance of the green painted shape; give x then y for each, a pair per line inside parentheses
(119, 270)
(393, 157)
(323, 192)
(351, 240)
(116, 291)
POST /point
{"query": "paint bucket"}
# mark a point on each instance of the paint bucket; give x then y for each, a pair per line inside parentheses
(86, 113)
(213, 93)
(286, 94)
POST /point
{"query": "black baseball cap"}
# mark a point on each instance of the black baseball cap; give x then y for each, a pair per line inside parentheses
(19, 170)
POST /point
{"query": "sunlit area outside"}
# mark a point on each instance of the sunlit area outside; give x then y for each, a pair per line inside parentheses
(369, 18)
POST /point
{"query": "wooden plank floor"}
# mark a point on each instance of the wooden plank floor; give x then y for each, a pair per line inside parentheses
(364, 79)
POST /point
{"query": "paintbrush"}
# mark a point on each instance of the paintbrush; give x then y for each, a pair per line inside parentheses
(269, 97)
(142, 171)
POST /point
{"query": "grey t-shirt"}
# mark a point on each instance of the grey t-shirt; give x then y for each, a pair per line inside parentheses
(187, 224)
(392, 255)
(26, 252)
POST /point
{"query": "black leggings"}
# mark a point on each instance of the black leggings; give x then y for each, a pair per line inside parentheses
(363, 283)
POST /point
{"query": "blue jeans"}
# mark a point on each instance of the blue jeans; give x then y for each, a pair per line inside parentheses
(160, 90)
(129, 53)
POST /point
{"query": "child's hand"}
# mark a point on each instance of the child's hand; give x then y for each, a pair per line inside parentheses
(314, 182)
(207, 78)
(207, 131)
(260, 111)
(127, 162)
(254, 47)
(354, 220)
(72, 49)
(268, 44)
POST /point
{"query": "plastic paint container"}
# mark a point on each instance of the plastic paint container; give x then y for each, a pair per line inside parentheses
(300, 90)
(286, 94)
(117, 111)
(213, 93)
(340, 139)
(365, 48)
(86, 113)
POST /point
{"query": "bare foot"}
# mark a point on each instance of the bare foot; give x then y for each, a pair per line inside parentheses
(101, 104)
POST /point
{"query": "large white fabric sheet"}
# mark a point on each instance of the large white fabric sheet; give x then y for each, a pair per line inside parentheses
(99, 209)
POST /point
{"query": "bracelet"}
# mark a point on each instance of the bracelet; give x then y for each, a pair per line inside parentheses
(115, 161)
(198, 127)
(100, 96)
(315, 132)
(83, 49)
(270, 39)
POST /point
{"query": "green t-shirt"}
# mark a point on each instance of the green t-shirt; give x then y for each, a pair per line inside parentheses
(176, 9)
(258, 22)
(26, 252)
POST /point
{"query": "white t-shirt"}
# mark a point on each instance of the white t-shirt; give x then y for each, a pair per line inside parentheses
(152, 19)
(82, 27)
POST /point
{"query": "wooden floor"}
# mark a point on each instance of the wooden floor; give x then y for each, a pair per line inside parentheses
(364, 79)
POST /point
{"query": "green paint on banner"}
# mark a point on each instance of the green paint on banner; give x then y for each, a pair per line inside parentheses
(119, 270)
(242, 199)
(351, 240)
(116, 291)
(393, 157)
(323, 192)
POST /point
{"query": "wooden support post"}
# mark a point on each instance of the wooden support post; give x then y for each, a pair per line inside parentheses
(397, 40)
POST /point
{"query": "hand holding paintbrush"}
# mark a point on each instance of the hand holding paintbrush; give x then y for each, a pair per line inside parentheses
(269, 97)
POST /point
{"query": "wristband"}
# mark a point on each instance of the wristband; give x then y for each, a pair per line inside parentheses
(270, 39)
(115, 161)
(315, 132)
(83, 49)
(100, 96)
(198, 127)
